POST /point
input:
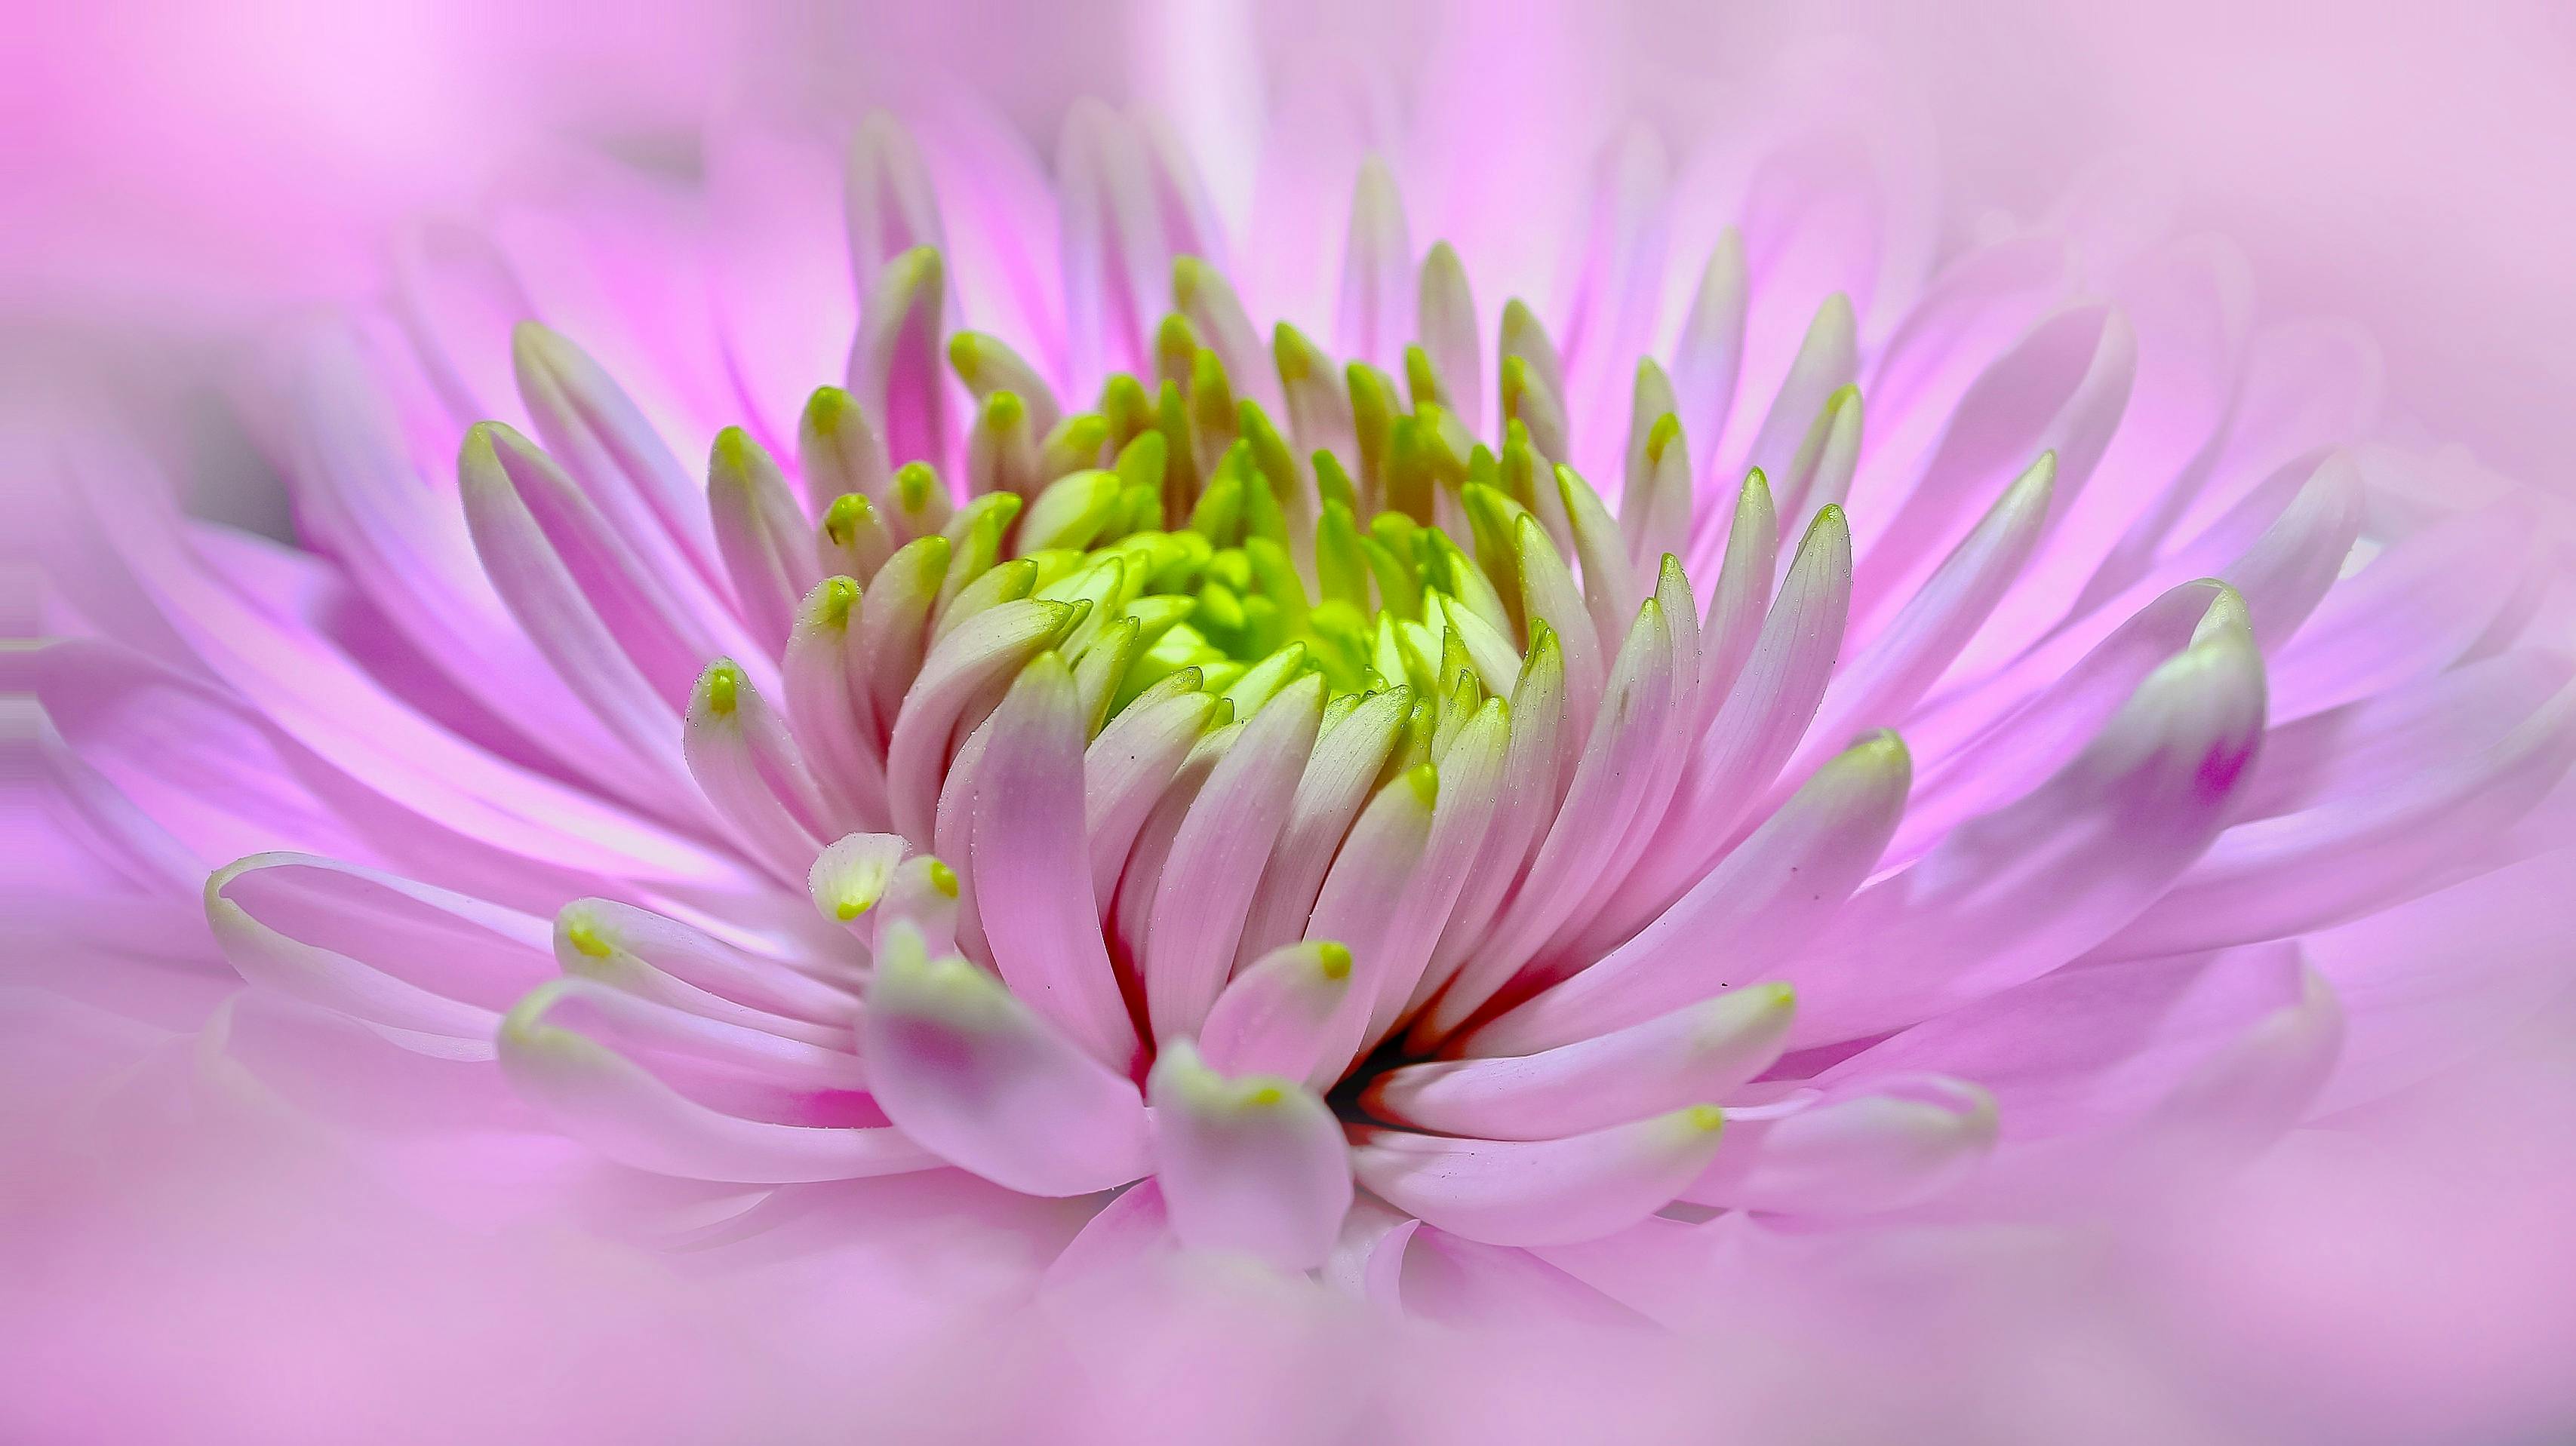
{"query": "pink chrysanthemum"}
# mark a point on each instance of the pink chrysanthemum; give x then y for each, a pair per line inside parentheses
(1828, 722)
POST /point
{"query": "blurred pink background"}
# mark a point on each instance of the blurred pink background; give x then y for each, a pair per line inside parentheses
(170, 164)
(171, 173)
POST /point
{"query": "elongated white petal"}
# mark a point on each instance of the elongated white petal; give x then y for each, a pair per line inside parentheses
(839, 451)
(1881, 686)
(850, 876)
(1549, 595)
(1533, 381)
(988, 366)
(1201, 293)
(1362, 896)
(2062, 389)
(822, 707)
(1762, 719)
(1127, 770)
(1530, 787)
(922, 895)
(1471, 776)
(1827, 361)
(1613, 776)
(1610, 587)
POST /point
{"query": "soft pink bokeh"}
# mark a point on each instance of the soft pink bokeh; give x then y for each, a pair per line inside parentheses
(174, 172)
(2398, 163)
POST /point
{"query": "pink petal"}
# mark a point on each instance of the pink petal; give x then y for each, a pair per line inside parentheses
(992, 646)
(1854, 1156)
(960, 1064)
(2414, 610)
(2092, 1046)
(1126, 1233)
(1218, 855)
(2352, 856)
(1127, 770)
(555, 600)
(662, 959)
(1031, 866)
(601, 1097)
(2008, 896)
(753, 775)
(1377, 270)
(1330, 792)
(1710, 350)
(895, 371)
(626, 470)
(1277, 1014)
(891, 204)
(1698, 1052)
(764, 539)
(1252, 1163)
(2427, 983)
(431, 969)
(1764, 899)
(1545, 1192)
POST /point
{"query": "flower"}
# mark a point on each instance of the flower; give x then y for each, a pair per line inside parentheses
(1906, 741)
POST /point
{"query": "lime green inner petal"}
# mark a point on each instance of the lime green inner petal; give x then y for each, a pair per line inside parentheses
(1239, 572)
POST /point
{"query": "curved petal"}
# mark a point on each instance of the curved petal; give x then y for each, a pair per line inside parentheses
(1031, 868)
(1275, 1016)
(2013, 894)
(1542, 1192)
(1869, 1153)
(431, 969)
(1698, 1052)
(1249, 1162)
(960, 1064)
(1218, 856)
(598, 1095)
